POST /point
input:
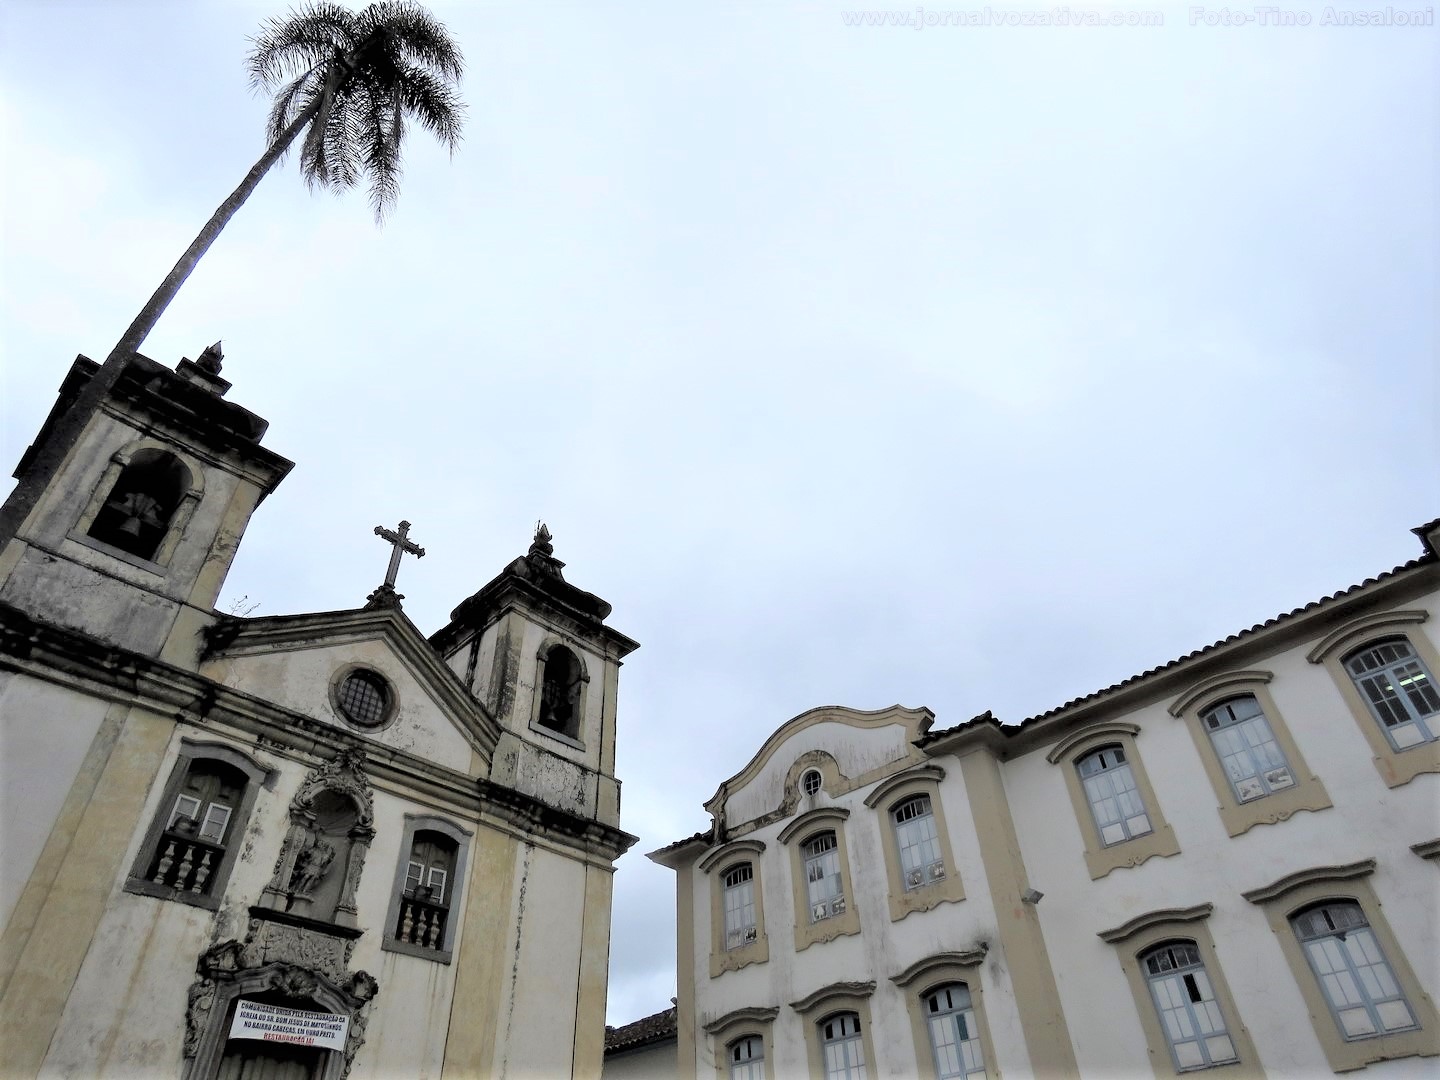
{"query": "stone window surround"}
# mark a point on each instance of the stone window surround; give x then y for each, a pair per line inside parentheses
(714, 865)
(1144, 932)
(392, 697)
(1305, 888)
(461, 837)
(737, 1024)
(189, 501)
(1396, 767)
(801, 830)
(929, 974)
(541, 656)
(839, 997)
(191, 751)
(1099, 859)
(921, 780)
(1307, 793)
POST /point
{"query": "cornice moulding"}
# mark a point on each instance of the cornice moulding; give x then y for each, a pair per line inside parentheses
(833, 990)
(1290, 882)
(1155, 918)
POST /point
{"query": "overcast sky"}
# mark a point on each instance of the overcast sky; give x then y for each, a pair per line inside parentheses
(966, 367)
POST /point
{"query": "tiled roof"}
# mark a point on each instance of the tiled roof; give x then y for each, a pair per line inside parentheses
(1008, 729)
(702, 835)
(650, 1029)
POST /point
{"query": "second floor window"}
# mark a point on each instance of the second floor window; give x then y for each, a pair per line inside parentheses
(1399, 691)
(1253, 761)
(1114, 799)
(841, 1048)
(1189, 1013)
(915, 836)
(1358, 981)
(197, 827)
(825, 887)
(739, 884)
(954, 1034)
(747, 1058)
(425, 895)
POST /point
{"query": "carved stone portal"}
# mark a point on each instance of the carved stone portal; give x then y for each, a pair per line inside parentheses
(296, 963)
(331, 826)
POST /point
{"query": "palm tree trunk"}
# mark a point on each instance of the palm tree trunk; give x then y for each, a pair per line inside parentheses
(49, 456)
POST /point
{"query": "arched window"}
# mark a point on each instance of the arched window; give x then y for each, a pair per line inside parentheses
(1190, 1015)
(197, 827)
(841, 1048)
(746, 1057)
(1113, 796)
(1253, 761)
(954, 1033)
(139, 507)
(560, 692)
(918, 843)
(825, 885)
(1399, 691)
(1357, 980)
(425, 894)
(739, 886)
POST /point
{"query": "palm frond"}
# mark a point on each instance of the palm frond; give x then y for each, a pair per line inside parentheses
(311, 36)
(433, 103)
(352, 81)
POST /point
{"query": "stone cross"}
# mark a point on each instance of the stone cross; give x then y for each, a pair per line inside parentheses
(385, 595)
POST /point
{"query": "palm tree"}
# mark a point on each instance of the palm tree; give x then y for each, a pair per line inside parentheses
(348, 81)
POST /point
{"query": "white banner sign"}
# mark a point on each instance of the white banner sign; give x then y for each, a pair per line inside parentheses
(255, 1020)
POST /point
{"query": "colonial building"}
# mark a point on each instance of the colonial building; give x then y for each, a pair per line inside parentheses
(1224, 864)
(302, 846)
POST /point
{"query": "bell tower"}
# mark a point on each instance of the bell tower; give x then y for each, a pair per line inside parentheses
(535, 649)
(132, 541)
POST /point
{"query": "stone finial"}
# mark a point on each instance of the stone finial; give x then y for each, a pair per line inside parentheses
(542, 545)
(210, 359)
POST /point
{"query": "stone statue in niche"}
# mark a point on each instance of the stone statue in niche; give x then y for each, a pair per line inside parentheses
(331, 826)
(311, 865)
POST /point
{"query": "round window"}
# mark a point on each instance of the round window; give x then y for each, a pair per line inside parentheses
(363, 698)
(810, 782)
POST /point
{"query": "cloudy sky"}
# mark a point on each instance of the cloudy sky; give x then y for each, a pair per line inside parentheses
(967, 367)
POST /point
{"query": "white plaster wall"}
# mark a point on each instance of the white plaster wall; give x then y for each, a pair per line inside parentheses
(300, 679)
(45, 733)
(537, 1034)
(882, 949)
(856, 751)
(1367, 820)
(654, 1062)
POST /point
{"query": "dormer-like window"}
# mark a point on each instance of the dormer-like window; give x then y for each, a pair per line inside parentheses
(139, 507)
(560, 692)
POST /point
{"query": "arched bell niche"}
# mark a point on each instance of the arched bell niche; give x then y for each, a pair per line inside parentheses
(143, 502)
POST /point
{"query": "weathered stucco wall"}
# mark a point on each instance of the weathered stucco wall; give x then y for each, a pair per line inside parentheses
(300, 679)
(45, 733)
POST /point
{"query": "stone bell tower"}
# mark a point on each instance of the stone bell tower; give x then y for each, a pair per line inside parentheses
(132, 541)
(537, 651)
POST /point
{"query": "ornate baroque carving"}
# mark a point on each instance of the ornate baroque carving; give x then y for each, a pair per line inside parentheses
(290, 960)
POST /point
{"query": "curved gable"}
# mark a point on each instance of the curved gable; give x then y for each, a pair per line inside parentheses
(849, 747)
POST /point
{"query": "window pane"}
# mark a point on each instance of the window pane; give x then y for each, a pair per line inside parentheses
(216, 818)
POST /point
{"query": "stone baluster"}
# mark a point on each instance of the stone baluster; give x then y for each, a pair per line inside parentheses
(408, 923)
(433, 938)
(165, 861)
(202, 873)
(186, 860)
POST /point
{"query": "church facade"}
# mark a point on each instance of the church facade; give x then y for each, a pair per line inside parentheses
(303, 846)
(1224, 865)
